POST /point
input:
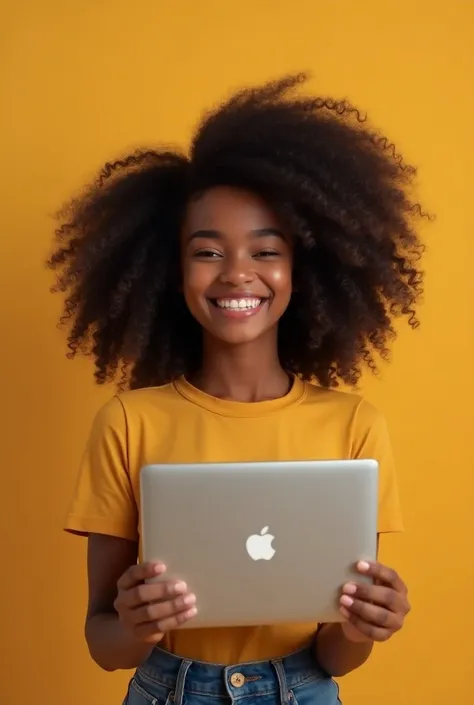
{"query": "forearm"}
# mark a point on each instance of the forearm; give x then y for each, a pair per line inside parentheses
(336, 654)
(112, 646)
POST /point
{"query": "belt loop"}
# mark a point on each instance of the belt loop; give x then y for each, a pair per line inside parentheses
(281, 675)
(180, 680)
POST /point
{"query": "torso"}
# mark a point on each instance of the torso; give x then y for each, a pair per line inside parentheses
(179, 424)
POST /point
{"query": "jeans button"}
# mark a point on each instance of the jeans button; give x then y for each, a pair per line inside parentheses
(237, 680)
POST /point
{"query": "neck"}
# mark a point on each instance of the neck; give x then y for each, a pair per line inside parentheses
(249, 372)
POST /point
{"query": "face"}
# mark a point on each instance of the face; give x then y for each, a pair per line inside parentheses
(237, 265)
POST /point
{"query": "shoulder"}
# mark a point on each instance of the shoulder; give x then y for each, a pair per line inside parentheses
(347, 403)
(350, 411)
(149, 397)
(131, 406)
(126, 406)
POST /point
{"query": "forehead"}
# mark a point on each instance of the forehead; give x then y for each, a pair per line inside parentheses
(228, 209)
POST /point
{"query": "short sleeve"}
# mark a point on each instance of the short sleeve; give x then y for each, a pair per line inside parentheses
(103, 501)
(371, 440)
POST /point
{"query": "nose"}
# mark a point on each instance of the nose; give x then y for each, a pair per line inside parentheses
(236, 272)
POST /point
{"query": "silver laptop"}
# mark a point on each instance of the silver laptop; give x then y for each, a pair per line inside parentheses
(261, 543)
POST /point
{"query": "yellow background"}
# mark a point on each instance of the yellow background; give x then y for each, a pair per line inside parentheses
(81, 81)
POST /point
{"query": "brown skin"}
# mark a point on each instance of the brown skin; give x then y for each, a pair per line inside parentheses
(232, 247)
(373, 613)
(125, 616)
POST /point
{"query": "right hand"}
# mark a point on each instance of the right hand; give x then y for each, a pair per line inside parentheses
(149, 610)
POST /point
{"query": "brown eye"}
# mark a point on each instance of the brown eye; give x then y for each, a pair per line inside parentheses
(207, 254)
(263, 254)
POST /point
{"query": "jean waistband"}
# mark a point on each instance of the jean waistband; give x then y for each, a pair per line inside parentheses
(239, 680)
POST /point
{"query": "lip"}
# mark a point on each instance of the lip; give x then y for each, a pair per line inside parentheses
(239, 314)
(235, 313)
(239, 295)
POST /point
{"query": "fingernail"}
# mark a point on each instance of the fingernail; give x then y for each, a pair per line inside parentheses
(363, 566)
(180, 587)
(191, 613)
(159, 568)
(350, 589)
(347, 601)
(189, 599)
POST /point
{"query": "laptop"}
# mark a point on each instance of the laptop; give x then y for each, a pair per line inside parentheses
(261, 542)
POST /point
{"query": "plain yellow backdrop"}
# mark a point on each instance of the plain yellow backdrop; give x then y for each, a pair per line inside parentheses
(83, 81)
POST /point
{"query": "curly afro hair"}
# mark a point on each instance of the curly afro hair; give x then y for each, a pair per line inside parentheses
(340, 187)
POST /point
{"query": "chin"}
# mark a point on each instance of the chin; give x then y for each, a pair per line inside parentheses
(236, 337)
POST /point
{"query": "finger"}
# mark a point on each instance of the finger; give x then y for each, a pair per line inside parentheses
(371, 631)
(372, 614)
(144, 593)
(138, 573)
(382, 574)
(377, 594)
(158, 611)
(177, 620)
(167, 624)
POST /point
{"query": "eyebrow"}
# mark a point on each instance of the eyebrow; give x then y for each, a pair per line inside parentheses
(217, 235)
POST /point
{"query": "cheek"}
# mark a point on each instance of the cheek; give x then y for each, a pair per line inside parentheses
(191, 293)
(197, 278)
(280, 280)
(194, 279)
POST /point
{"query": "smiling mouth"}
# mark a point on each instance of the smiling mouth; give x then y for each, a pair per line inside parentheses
(239, 307)
(237, 304)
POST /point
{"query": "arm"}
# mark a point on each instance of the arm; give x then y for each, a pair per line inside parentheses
(111, 644)
(127, 616)
(372, 612)
(336, 655)
(341, 648)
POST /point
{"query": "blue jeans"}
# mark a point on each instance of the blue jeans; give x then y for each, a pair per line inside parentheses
(165, 679)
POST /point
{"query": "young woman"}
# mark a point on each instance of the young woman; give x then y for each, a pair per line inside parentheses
(231, 291)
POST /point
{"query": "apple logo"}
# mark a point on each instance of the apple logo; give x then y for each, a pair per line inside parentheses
(259, 546)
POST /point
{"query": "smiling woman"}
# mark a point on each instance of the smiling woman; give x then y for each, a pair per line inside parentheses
(217, 286)
(237, 265)
(310, 167)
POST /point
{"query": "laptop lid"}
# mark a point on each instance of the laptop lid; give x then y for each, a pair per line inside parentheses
(261, 543)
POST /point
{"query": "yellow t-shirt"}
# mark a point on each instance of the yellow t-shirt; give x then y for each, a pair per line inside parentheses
(178, 423)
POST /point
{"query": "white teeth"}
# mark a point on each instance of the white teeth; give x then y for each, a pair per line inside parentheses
(241, 304)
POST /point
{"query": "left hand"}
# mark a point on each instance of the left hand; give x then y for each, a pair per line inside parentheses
(374, 612)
